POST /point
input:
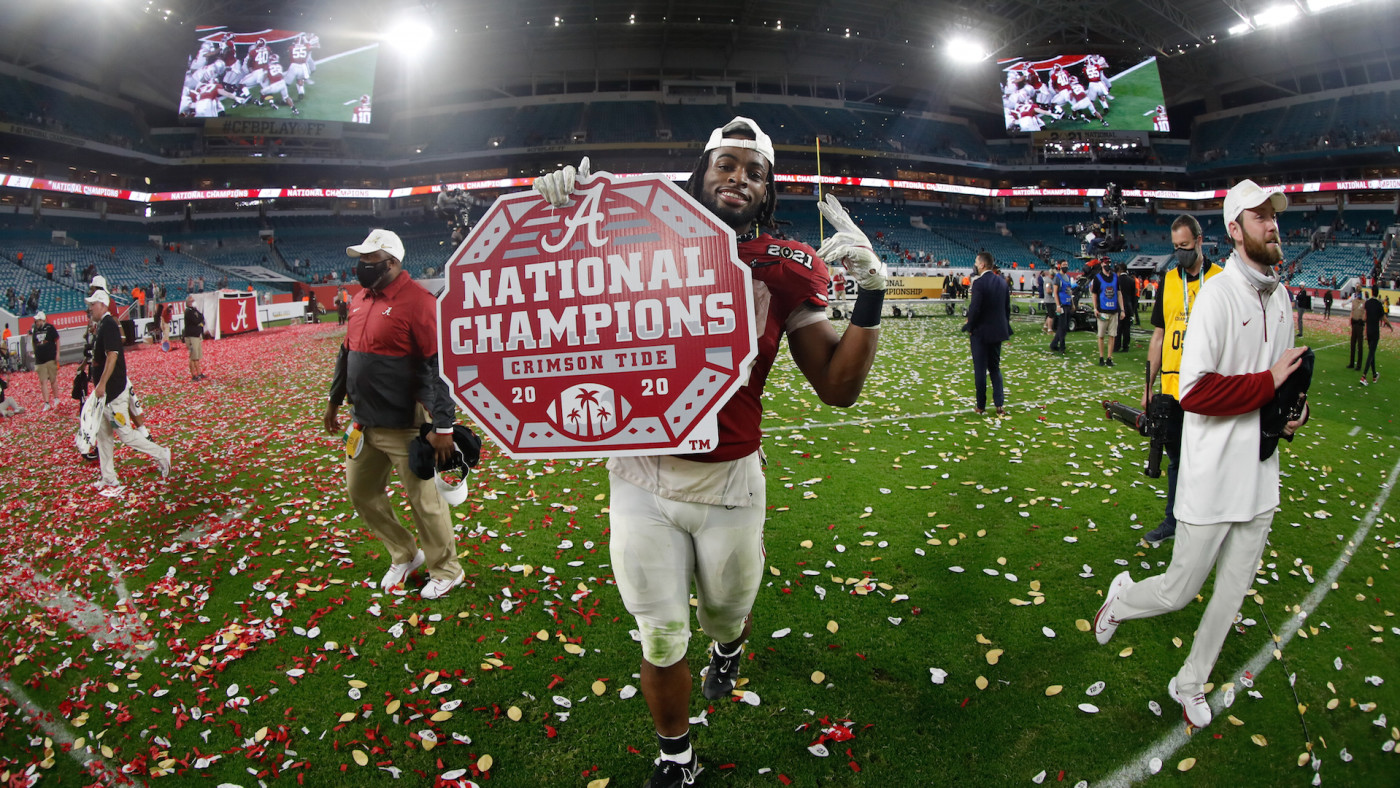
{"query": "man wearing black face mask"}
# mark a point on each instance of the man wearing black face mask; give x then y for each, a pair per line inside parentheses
(1170, 314)
(388, 369)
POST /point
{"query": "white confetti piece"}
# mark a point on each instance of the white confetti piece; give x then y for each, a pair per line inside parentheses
(938, 675)
(1047, 631)
(1095, 688)
(1088, 708)
(782, 633)
(819, 750)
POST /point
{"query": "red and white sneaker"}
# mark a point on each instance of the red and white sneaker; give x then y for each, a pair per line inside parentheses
(1194, 708)
(438, 587)
(1104, 622)
(398, 573)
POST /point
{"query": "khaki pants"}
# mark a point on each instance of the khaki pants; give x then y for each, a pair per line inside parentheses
(116, 421)
(48, 372)
(366, 478)
(1233, 550)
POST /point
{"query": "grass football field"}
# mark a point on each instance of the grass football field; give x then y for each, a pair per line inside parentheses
(930, 578)
(338, 80)
(1133, 94)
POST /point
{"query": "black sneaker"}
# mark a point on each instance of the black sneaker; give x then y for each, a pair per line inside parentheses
(1165, 530)
(1100, 360)
(721, 674)
(669, 774)
(1108, 362)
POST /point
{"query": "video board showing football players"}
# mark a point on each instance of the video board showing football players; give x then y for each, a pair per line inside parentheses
(1076, 92)
(277, 73)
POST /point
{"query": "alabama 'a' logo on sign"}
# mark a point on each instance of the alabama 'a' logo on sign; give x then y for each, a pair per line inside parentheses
(618, 324)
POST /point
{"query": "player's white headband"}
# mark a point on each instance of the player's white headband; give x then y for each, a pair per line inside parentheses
(760, 143)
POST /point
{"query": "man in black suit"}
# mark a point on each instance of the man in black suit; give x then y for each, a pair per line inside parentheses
(989, 323)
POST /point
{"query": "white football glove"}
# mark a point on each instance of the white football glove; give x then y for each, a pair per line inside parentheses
(850, 245)
(558, 185)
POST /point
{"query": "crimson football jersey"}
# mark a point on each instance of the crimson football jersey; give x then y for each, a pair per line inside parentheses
(787, 276)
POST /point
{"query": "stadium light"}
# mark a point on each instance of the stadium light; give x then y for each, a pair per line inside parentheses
(409, 36)
(1241, 29)
(965, 50)
(1276, 15)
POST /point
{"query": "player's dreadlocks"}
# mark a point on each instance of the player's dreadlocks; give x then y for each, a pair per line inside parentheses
(765, 218)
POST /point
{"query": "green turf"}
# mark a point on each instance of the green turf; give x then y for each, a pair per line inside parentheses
(870, 497)
(337, 81)
(1133, 95)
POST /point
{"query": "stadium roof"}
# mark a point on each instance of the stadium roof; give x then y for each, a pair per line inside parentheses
(878, 51)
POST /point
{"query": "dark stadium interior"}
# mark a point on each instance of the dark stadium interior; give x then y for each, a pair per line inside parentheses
(512, 90)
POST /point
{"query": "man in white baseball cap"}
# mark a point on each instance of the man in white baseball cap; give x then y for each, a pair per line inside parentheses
(388, 370)
(1237, 352)
(110, 385)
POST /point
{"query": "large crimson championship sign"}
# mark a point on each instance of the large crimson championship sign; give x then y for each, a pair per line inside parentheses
(616, 325)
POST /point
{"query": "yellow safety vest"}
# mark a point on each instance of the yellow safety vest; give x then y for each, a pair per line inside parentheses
(1175, 313)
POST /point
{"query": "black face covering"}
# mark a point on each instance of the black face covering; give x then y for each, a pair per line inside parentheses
(1185, 258)
(370, 274)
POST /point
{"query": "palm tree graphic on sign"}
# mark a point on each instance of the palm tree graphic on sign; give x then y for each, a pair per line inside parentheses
(589, 410)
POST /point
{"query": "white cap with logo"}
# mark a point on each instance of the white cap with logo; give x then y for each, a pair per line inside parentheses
(378, 240)
(760, 142)
(40, 316)
(99, 281)
(1247, 194)
(99, 297)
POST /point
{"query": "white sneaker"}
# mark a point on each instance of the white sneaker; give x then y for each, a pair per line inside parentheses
(164, 463)
(437, 587)
(1194, 709)
(398, 573)
(102, 484)
(112, 491)
(48, 406)
(1104, 623)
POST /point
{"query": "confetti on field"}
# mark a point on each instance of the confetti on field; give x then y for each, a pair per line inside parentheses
(272, 649)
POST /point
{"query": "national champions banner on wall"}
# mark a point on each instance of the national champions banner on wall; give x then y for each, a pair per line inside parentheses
(616, 325)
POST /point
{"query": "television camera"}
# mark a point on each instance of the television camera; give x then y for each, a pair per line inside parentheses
(1103, 233)
(454, 207)
(1152, 424)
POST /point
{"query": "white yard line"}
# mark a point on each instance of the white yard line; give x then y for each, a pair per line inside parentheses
(1165, 747)
(91, 762)
(198, 532)
(1093, 396)
(346, 53)
(121, 631)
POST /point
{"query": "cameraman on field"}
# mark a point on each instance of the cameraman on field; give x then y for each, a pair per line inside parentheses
(1170, 314)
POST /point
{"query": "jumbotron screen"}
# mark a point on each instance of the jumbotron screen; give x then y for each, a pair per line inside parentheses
(1078, 92)
(284, 74)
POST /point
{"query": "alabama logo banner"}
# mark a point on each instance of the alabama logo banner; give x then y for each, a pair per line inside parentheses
(238, 314)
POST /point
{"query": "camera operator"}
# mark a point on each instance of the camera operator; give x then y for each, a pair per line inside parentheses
(454, 207)
(1170, 315)
(1238, 353)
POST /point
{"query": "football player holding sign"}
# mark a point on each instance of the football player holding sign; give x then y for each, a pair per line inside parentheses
(699, 517)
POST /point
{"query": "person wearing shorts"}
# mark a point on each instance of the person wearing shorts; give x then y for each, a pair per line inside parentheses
(194, 338)
(1108, 305)
(44, 337)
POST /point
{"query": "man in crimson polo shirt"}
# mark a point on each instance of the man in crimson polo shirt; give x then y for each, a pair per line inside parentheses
(388, 369)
